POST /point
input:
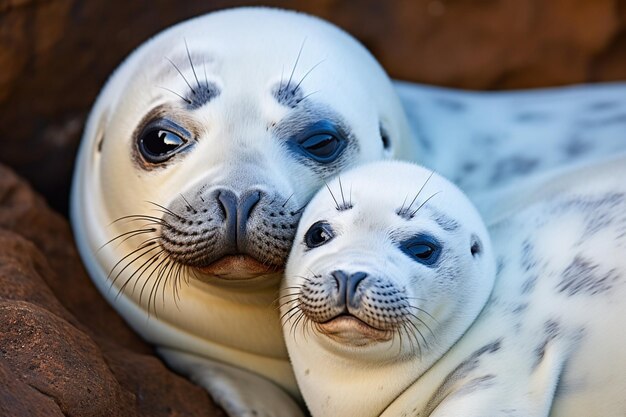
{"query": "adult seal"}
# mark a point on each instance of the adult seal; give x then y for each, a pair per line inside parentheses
(196, 162)
(397, 302)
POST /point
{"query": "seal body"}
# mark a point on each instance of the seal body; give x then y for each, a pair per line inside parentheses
(196, 162)
(487, 141)
(390, 311)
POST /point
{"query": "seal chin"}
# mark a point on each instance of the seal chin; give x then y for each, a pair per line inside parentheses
(238, 268)
(349, 330)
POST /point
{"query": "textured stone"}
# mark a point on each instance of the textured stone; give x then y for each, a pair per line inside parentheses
(63, 350)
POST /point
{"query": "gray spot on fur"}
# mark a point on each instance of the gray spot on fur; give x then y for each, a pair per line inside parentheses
(532, 117)
(462, 371)
(605, 121)
(500, 264)
(476, 384)
(450, 104)
(576, 147)
(520, 308)
(201, 95)
(603, 105)
(513, 166)
(414, 118)
(289, 95)
(581, 276)
(446, 223)
(551, 330)
(528, 264)
(469, 167)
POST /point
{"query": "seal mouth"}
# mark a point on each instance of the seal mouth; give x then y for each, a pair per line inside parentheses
(238, 268)
(349, 329)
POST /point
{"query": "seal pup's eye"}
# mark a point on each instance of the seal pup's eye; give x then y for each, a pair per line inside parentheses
(421, 248)
(318, 234)
(158, 142)
(321, 142)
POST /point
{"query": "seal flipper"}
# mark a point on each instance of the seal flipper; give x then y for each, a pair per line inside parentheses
(239, 392)
(493, 393)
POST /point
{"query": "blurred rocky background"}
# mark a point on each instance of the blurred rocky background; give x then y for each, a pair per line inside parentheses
(63, 351)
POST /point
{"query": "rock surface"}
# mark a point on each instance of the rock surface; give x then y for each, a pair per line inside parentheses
(63, 350)
(56, 54)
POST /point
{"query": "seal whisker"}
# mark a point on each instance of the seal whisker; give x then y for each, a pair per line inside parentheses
(153, 295)
(307, 96)
(286, 201)
(193, 69)
(423, 311)
(332, 195)
(307, 73)
(156, 268)
(167, 210)
(153, 260)
(148, 262)
(418, 193)
(149, 245)
(416, 329)
(137, 217)
(423, 323)
(175, 93)
(295, 65)
(189, 205)
(133, 233)
(422, 205)
(206, 80)
(181, 74)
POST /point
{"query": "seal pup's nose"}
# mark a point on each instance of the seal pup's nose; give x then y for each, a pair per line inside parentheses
(347, 286)
(237, 212)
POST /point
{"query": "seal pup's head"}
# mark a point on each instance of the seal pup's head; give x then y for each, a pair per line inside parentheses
(208, 141)
(390, 266)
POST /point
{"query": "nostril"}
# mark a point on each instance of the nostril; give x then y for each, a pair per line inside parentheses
(244, 209)
(227, 202)
(247, 204)
(341, 279)
(353, 284)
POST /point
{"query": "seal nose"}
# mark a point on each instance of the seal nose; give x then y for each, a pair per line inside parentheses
(237, 212)
(347, 286)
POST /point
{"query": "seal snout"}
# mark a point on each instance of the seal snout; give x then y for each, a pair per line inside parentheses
(230, 233)
(236, 212)
(354, 306)
(347, 285)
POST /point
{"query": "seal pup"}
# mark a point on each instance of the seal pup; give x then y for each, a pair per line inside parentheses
(396, 301)
(196, 162)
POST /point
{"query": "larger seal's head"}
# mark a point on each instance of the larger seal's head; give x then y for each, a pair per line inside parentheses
(208, 141)
(391, 264)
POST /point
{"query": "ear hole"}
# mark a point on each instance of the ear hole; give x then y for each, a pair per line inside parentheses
(384, 137)
(100, 142)
(476, 247)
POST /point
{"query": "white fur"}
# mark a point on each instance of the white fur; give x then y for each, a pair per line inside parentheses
(555, 311)
(245, 52)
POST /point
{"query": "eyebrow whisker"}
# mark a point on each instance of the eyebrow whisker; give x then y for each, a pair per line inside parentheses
(191, 63)
(181, 74)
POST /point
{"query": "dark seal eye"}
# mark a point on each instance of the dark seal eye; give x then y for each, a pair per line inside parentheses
(423, 249)
(321, 142)
(161, 140)
(322, 146)
(318, 234)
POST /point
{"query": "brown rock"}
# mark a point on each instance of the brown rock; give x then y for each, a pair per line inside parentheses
(61, 355)
(19, 399)
(58, 360)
